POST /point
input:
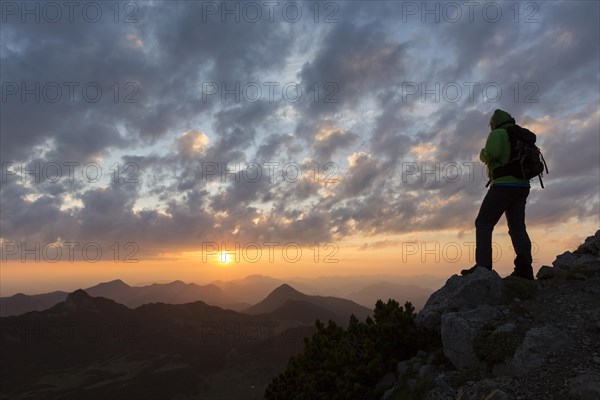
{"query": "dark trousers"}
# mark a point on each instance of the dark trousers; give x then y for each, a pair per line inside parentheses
(511, 201)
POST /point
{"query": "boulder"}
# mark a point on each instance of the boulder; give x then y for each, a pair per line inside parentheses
(566, 260)
(441, 390)
(591, 245)
(386, 382)
(506, 327)
(485, 389)
(585, 386)
(461, 293)
(443, 387)
(588, 259)
(401, 368)
(426, 370)
(458, 331)
(497, 394)
(388, 393)
(547, 272)
(537, 344)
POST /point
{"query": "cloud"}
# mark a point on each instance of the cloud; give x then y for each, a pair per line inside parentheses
(330, 139)
(354, 111)
(191, 143)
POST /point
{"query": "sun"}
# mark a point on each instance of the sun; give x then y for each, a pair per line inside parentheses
(224, 258)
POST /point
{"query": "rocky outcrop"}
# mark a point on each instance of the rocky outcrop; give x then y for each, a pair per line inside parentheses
(487, 389)
(510, 338)
(591, 245)
(568, 260)
(537, 345)
(585, 386)
(546, 272)
(461, 293)
(586, 255)
(565, 261)
(459, 330)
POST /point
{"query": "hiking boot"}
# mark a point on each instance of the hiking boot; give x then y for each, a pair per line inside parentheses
(522, 275)
(465, 272)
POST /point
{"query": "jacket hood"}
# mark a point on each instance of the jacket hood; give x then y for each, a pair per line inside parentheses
(501, 117)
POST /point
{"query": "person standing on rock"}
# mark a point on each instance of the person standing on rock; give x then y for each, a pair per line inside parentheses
(507, 195)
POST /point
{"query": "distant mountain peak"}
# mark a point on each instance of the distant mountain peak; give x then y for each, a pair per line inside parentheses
(116, 283)
(79, 294)
(79, 299)
(285, 292)
(276, 299)
(285, 289)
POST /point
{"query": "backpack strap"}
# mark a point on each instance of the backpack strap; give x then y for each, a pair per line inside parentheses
(505, 169)
(545, 166)
(544, 161)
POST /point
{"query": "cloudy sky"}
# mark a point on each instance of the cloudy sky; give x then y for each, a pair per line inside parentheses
(167, 132)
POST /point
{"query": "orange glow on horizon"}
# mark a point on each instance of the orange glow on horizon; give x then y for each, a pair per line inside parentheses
(432, 253)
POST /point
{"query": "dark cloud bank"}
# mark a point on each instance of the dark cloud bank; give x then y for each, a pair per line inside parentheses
(373, 131)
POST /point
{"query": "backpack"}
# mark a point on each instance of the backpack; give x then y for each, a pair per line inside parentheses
(526, 160)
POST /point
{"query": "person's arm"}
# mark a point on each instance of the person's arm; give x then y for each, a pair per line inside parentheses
(483, 156)
(493, 147)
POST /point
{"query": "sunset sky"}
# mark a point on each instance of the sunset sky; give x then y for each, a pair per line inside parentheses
(168, 133)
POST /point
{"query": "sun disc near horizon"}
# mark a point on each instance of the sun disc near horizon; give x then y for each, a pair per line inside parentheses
(224, 258)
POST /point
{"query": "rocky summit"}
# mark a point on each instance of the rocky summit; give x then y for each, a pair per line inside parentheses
(511, 338)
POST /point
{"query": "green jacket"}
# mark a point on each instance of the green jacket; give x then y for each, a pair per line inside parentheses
(497, 150)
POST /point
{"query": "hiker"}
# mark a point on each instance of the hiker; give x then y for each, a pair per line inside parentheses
(507, 195)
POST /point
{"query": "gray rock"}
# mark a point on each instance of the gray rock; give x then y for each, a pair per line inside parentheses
(579, 276)
(594, 289)
(416, 366)
(430, 358)
(502, 369)
(566, 260)
(591, 245)
(536, 346)
(458, 332)
(443, 386)
(401, 368)
(485, 389)
(421, 359)
(496, 394)
(588, 259)
(438, 394)
(426, 370)
(387, 381)
(388, 393)
(507, 327)
(585, 387)
(588, 269)
(461, 293)
(547, 272)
